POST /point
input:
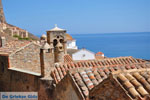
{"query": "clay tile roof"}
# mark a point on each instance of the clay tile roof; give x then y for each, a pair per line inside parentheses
(123, 63)
(69, 37)
(87, 74)
(67, 58)
(89, 78)
(12, 46)
(136, 83)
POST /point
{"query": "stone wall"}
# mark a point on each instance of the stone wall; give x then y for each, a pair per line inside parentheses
(11, 80)
(28, 58)
(45, 89)
(65, 90)
(23, 82)
(4, 77)
(108, 90)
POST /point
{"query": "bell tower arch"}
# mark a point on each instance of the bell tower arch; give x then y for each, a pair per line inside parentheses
(57, 38)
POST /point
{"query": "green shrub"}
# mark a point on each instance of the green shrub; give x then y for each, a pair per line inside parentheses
(20, 38)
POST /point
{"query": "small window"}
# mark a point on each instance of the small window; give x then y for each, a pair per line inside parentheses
(83, 55)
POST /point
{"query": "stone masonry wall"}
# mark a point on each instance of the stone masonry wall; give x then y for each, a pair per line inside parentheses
(23, 82)
(27, 58)
(4, 77)
(15, 81)
(65, 91)
(108, 90)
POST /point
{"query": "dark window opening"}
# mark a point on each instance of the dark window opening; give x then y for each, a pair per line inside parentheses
(57, 36)
(61, 40)
(60, 47)
(55, 42)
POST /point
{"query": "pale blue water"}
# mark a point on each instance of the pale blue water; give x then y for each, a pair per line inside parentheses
(116, 44)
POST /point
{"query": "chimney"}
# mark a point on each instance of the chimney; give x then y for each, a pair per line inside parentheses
(2, 41)
(46, 60)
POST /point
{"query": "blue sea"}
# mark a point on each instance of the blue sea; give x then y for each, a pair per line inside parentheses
(116, 44)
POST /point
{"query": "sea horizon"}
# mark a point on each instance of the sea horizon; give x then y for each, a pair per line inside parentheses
(136, 44)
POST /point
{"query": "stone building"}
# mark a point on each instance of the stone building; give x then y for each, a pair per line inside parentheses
(47, 69)
(13, 30)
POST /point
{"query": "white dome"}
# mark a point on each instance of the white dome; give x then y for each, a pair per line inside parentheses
(43, 36)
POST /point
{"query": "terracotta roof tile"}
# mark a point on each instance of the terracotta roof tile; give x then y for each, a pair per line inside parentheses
(88, 74)
(124, 63)
(67, 58)
(69, 37)
(99, 53)
(135, 83)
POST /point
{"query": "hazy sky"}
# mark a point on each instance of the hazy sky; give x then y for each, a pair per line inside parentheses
(79, 16)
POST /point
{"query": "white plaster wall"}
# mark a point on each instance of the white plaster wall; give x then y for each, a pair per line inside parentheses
(71, 44)
(83, 55)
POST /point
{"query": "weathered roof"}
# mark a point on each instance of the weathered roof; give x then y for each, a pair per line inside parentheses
(12, 46)
(67, 58)
(135, 83)
(87, 74)
(88, 77)
(62, 68)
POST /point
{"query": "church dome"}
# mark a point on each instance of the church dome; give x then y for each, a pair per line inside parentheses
(43, 36)
(69, 37)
